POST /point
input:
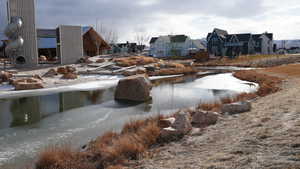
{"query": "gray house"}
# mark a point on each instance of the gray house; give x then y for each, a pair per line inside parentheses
(220, 43)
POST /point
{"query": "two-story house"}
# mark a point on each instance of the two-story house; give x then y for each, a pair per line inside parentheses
(173, 45)
(220, 43)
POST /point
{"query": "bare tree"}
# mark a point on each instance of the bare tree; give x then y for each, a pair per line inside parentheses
(142, 38)
(109, 34)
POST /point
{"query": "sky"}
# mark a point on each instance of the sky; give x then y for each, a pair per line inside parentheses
(194, 18)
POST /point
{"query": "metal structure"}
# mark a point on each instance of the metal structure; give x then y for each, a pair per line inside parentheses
(22, 33)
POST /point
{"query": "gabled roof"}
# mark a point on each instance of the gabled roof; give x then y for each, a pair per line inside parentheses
(256, 37)
(47, 43)
(221, 32)
(85, 29)
(245, 37)
(178, 38)
(153, 40)
(269, 35)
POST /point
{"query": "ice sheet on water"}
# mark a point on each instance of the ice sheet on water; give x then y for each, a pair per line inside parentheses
(225, 82)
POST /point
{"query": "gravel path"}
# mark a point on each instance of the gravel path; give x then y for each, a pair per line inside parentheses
(268, 137)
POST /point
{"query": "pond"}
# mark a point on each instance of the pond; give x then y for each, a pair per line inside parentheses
(29, 124)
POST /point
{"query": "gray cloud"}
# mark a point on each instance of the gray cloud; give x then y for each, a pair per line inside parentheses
(131, 15)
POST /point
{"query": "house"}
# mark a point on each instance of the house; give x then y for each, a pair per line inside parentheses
(124, 48)
(220, 43)
(93, 43)
(174, 45)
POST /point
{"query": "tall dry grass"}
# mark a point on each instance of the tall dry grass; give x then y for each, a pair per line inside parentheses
(268, 84)
(111, 150)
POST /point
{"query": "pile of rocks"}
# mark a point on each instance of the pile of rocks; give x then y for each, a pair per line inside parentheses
(68, 72)
(184, 122)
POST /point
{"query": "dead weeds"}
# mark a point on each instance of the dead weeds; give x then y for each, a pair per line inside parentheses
(268, 84)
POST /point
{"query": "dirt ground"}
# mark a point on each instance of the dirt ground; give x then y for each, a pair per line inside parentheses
(268, 137)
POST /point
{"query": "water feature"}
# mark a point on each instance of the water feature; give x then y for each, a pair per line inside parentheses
(28, 124)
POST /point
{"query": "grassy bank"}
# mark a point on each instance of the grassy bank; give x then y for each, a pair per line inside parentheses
(253, 61)
(115, 150)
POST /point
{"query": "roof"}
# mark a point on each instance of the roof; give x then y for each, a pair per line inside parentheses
(245, 37)
(85, 29)
(46, 43)
(256, 37)
(198, 43)
(269, 35)
(220, 31)
(153, 40)
(178, 38)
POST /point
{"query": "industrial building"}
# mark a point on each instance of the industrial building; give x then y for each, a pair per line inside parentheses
(64, 45)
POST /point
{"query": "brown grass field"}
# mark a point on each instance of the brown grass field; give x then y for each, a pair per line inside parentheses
(287, 71)
(242, 60)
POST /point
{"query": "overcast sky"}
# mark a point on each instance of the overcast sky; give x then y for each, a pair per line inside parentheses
(194, 18)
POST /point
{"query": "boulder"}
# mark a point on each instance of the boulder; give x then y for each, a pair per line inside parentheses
(169, 135)
(50, 73)
(62, 70)
(236, 108)
(134, 88)
(70, 76)
(100, 60)
(70, 69)
(28, 84)
(165, 123)
(201, 119)
(182, 122)
(5, 76)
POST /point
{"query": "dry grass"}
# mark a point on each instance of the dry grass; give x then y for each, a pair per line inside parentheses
(134, 60)
(245, 60)
(292, 70)
(111, 150)
(268, 84)
(62, 157)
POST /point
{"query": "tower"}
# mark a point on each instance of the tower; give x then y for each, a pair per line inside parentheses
(27, 53)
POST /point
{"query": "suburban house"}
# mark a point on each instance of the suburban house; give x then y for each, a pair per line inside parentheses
(93, 43)
(174, 45)
(123, 48)
(220, 43)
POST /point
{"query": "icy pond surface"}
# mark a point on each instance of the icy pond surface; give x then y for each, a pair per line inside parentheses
(29, 124)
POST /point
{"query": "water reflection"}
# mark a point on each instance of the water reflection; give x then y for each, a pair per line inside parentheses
(168, 95)
(26, 111)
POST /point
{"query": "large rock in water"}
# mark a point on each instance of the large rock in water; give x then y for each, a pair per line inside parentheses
(236, 108)
(134, 88)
